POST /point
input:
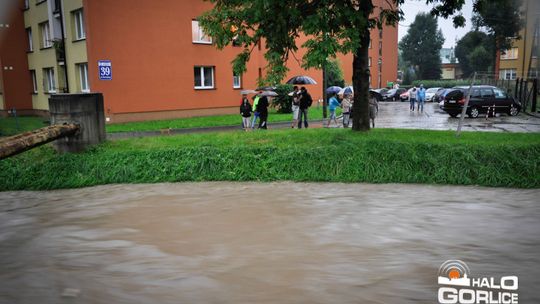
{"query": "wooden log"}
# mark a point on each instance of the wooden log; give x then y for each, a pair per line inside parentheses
(16, 144)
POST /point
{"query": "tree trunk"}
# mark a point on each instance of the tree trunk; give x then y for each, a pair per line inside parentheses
(16, 144)
(361, 85)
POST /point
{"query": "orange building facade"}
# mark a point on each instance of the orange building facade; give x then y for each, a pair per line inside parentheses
(162, 66)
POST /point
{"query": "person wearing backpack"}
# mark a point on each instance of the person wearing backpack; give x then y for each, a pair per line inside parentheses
(245, 111)
(305, 103)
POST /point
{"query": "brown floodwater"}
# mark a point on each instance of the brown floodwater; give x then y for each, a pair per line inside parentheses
(261, 242)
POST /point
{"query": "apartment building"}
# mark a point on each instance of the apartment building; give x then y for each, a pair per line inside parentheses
(521, 60)
(151, 60)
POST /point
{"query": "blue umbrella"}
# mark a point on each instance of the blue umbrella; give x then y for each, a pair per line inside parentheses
(346, 90)
(333, 90)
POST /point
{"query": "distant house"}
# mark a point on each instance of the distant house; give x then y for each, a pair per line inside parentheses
(449, 64)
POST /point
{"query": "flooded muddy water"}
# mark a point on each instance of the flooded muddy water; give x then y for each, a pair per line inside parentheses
(261, 243)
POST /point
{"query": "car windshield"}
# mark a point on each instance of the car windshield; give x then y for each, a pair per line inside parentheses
(393, 91)
(432, 90)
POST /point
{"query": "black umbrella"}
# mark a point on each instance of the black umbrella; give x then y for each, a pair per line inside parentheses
(301, 80)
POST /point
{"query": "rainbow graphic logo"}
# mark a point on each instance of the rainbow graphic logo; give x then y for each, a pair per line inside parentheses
(454, 272)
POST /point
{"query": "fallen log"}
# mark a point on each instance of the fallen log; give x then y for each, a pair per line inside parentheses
(19, 143)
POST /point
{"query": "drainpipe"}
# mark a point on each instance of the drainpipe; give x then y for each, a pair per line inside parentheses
(61, 12)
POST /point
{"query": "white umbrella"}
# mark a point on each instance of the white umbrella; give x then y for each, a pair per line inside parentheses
(246, 92)
(269, 93)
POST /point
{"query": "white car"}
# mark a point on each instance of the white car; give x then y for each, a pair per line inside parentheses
(430, 93)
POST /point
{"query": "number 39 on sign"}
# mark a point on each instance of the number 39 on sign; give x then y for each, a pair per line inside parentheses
(105, 69)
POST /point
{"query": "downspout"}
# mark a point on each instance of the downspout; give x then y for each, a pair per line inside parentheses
(61, 12)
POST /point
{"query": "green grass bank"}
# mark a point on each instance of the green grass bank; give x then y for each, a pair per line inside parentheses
(329, 155)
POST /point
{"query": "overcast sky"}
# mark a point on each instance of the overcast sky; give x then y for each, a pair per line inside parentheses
(451, 34)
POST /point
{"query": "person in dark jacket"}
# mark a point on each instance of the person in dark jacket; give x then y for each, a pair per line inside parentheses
(305, 103)
(245, 111)
(262, 108)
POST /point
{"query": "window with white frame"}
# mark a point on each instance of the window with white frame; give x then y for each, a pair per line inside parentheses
(198, 35)
(26, 4)
(510, 54)
(45, 35)
(48, 80)
(508, 74)
(204, 77)
(83, 77)
(369, 62)
(34, 81)
(78, 18)
(30, 43)
(237, 81)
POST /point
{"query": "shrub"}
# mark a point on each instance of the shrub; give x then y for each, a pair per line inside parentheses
(283, 102)
(448, 83)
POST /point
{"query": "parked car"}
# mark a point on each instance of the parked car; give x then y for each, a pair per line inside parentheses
(430, 93)
(484, 98)
(405, 95)
(439, 95)
(393, 94)
(378, 93)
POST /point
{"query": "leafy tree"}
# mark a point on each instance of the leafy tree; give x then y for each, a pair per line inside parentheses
(331, 27)
(501, 18)
(479, 58)
(484, 57)
(334, 73)
(422, 46)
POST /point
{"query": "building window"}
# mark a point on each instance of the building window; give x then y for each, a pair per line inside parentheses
(40, 1)
(83, 77)
(369, 43)
(48, 80)
(26, 4)
(508, 74)
(30, 43)
(78, 18)
(369, 62)
(237, 81)
(45, 35)
(198, 35)
(510, 54)
(204, 77)
(34, 81)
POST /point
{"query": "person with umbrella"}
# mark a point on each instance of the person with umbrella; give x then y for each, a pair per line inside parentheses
(305, 103)
(245, 111)
(254, 108)
(346, 106)
(295, 105)
(262, 109)
(333, 103)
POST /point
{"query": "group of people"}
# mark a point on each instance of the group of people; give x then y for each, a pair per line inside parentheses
(259, 110)
(301, 101)
(417, 95)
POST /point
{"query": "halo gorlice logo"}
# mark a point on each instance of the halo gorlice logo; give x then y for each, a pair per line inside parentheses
(457, 287)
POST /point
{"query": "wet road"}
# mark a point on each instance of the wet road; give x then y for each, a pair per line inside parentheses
(397, 115)
(261, 243)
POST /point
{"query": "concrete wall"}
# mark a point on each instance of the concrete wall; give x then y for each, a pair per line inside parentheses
(15, 80)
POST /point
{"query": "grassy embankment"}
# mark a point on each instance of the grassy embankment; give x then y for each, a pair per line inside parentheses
(8, 125)
(333, 155)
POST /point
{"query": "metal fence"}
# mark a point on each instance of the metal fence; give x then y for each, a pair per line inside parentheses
(526, 91)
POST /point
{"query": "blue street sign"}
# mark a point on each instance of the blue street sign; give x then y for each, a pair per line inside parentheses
(105, 69)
